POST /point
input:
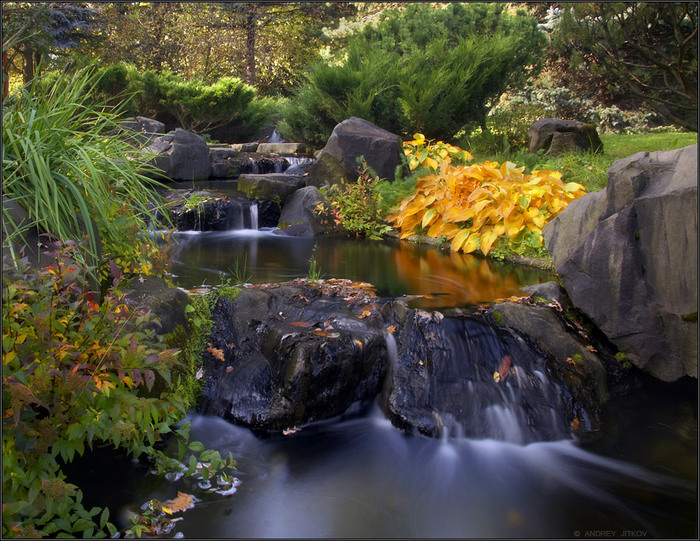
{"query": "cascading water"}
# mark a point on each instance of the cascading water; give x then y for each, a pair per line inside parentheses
(464, 378)
(253, 215)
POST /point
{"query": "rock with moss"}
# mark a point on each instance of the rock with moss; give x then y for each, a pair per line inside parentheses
(275, 187)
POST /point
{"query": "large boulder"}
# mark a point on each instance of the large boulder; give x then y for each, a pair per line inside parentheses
(144, 130)
(351, 139)
(627, 257)
(283, 356)
(300, 217)
(554, 136)
(181, 155)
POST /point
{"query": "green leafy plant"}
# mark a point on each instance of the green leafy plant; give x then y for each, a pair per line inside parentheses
(239, 272)
(78, 374)
(355, 207)
(314, 273)
(474, 206)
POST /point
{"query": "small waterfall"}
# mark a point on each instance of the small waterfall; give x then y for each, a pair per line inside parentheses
(275, 138)
(454, 377)
(297, 164)
(253, 215)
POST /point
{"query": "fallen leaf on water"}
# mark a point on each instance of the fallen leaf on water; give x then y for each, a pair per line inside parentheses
(288, 431)
(391, 329)
(183, 502)
(359, 343)
(365, 313)
(496, 376)
(300, 323)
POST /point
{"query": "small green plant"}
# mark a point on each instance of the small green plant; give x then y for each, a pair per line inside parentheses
(314, 273)
(623, 359)
(355, 206)
(239, 272)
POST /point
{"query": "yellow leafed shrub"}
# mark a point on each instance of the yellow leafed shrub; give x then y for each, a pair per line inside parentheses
(474, 205)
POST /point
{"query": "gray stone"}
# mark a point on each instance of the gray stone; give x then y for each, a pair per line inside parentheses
(275, 187)
(627, 257)
(554, 135)
(351, 139)
(283, 149)
(181, 155)
(299, 217)
(245, 147)
(542, 324)
(145, 130)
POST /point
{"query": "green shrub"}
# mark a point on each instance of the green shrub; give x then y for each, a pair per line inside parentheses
(473, 51)
(76, 374)
(355, 207)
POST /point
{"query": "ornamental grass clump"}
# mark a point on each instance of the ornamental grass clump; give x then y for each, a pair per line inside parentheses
(474, 206)
(64, 164)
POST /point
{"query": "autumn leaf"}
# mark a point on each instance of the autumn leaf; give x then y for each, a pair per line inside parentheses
(216, 353)
(300, 323)
(183, 502)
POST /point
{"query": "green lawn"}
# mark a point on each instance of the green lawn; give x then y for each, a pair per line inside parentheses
(590, 170)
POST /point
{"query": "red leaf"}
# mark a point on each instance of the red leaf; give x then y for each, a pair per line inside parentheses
(136, 376)
(504, 368)
(300, 323)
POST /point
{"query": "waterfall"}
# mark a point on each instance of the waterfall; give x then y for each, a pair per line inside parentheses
(253, 215)
(275, 138)
(297, 164)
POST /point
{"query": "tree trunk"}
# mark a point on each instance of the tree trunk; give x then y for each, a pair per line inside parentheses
(251, 28)
(5, 74)
(28, 53)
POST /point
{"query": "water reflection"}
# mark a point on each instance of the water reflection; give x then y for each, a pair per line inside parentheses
(396, 268)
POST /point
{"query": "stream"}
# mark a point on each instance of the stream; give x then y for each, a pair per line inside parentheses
(358, 476)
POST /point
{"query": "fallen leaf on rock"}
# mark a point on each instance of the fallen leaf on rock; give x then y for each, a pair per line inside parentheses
(300, 323)
(359, 343)
(391, 329)
(504, 367)
(229, 369)
(575, 424)
(183, 502)
(199, 373)
(365, 313)
(216, 353)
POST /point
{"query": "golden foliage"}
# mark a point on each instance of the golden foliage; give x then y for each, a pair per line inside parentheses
(474, 205)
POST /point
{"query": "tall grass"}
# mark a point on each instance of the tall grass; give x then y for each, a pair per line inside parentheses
(63, 163)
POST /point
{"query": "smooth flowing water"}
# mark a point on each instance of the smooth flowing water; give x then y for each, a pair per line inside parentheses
(358, 476)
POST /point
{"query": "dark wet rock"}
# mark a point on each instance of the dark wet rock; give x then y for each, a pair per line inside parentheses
(554, 135)
(268, 213)
(299, 217)
(448, 376)
(293, 354)
(349, 140)
(627, 257)
(208, 211)
(286, 355)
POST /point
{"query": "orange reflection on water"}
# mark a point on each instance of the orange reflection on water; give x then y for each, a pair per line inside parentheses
(455, 278)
